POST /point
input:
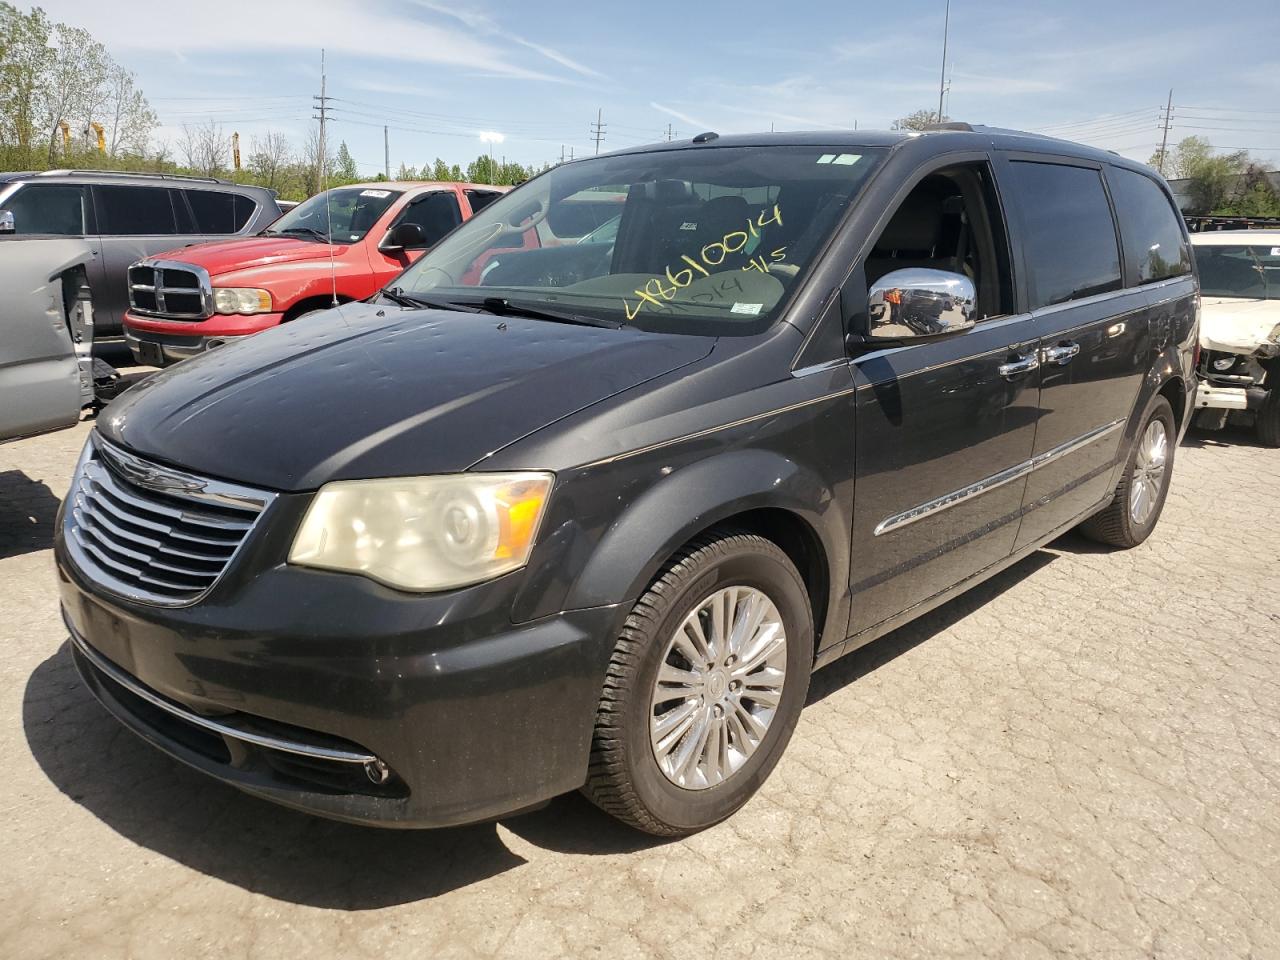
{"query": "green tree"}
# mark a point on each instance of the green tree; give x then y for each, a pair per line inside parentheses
(25, 59)
(482, 170)
(344, 165)
(440, 171)
(918, 120)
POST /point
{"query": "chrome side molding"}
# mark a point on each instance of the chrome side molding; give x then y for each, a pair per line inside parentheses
(995, 481)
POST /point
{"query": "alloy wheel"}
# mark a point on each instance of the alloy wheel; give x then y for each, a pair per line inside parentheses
(1148, 472)
(718, 687)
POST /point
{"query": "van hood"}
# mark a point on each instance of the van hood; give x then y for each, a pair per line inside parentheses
(365, 390)
(243, 253)
(1237, 325)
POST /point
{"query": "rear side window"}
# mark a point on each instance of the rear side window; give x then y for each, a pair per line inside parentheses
(1154, 246)
(479, 199)
(436, 213)
(218, 212)
(1069, 237)
(134, 211)
(48, 209)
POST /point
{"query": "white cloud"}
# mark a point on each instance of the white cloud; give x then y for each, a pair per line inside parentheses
(476, 20)
(342, 27)
(682, 117)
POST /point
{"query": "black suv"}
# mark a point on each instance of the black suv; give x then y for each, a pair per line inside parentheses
(127, 216)
(548, 515)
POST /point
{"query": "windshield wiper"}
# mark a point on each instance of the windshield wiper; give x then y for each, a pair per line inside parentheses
(310, 231)
(503, 307)
(397, 295)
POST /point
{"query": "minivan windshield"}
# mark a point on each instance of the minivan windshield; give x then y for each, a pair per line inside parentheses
(351, 213)
(1251, 272)
(707, 241)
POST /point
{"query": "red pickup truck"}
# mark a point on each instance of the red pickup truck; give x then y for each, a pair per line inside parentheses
(347, 242)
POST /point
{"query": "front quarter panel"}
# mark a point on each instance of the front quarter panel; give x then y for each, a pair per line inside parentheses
(654, 470)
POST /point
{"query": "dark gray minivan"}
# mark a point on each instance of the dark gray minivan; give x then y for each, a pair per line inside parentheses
(588, 515)
(128, 216)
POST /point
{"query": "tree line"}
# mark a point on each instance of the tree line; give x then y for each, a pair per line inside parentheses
(64, 102)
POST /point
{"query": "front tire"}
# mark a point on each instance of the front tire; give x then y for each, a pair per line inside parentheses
(704, 687)
(1139, 499)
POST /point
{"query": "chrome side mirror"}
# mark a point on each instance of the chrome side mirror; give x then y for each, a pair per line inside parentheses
(919, 302)
(6, 222)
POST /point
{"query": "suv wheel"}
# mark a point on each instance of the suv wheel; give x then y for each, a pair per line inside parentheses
(1139, 498)
(704, 687)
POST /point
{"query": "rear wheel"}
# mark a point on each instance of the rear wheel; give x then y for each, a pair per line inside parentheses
(1139, 498)
(704, 687)
(1268, 424)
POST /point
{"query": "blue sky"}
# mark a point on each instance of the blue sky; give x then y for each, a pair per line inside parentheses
(441, 74)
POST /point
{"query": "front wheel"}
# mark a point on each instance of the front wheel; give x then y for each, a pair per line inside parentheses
(704, 687)
(1139, 498)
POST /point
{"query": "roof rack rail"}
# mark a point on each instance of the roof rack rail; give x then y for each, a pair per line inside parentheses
(950, 125)
(145, 174)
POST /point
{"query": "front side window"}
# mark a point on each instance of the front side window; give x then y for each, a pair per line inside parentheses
(1246, 271)
(217, 212)
(343, 215)
(42, 208)
(134, 211)
(1154, 244)
(1069, 237)
(436, 213)
(704, 241)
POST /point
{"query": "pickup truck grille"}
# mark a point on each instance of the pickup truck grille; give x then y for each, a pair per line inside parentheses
(170, 289)
(150, 533)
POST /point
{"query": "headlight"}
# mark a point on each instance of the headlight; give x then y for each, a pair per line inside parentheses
(1223, 364)
(1275, 334)
(424, 533)
(241, 300)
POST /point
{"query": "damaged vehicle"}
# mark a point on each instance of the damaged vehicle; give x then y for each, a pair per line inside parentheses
(47, 372)
(1239, 369)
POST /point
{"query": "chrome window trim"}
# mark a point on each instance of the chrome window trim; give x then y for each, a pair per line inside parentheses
(119, 676)
(204, 289)
(995, 481)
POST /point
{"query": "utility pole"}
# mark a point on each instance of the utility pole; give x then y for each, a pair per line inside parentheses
(1164, 139)
(671, 134)
(321, 103)
(597, 129)
(942, 82)
(386, 152)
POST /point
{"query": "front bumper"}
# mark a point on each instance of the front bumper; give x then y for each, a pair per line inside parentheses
(334, 695)
(157, 342)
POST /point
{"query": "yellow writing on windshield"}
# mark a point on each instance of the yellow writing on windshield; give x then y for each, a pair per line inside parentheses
(662, 289)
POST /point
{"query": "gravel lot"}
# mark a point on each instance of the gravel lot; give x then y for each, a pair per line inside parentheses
(1081, 757)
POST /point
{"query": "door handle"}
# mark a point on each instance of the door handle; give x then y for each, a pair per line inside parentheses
(1060, 355)
(1022, 364)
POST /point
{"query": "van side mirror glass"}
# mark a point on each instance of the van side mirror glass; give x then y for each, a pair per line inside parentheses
(920, 302)
(6, 222)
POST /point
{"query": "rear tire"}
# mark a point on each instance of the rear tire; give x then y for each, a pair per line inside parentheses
(1268, 423)
(1139, 498)
(686, 730)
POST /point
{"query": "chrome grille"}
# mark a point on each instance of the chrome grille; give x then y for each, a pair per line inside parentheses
(152, 533)
(170, 289)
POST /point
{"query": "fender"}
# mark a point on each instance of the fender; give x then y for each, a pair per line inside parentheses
(697, 497)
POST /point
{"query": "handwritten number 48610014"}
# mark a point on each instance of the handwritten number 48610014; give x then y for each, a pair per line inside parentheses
(656, 292)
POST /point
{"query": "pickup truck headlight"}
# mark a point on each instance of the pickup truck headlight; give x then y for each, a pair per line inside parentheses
(424, 533)
(241, 300)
